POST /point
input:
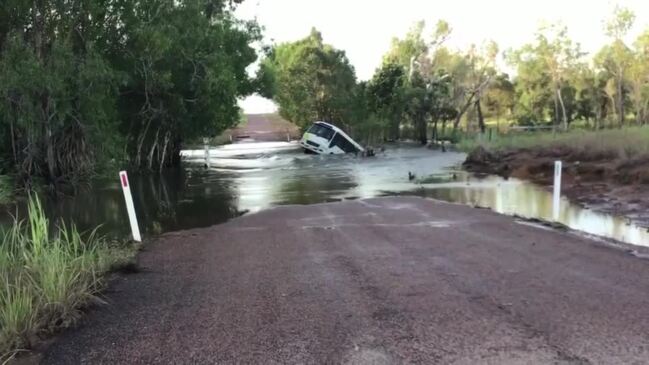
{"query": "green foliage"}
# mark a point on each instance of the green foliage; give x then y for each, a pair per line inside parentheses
(186, 69)
(86, 83)
(554, 83)
(47, 275)
(386, 95)
(543, 69)
(310, 81)
(406, 51)
(499, 98)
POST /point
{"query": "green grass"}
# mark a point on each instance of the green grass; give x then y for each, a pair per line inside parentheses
(625, 142)
(48, 274)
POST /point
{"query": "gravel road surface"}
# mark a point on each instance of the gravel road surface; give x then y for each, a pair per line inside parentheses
(378, 281)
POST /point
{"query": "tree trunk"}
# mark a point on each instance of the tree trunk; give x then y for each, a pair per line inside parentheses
(141, 138)
(555, 118)
(13, 137)
(480, 117)
(394, 129)
(423, 138)
(563, 110)
(435, 136)
(153, 148)
(613, 102)
(164, 151)
(461, 113)
(49, 147)
(620, 98)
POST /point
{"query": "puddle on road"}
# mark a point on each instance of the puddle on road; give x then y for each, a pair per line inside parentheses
(248, 177)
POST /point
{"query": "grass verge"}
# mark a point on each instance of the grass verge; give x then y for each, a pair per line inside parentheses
(47, 274)
(623, 143)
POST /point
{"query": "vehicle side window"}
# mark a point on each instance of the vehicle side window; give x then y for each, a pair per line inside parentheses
(342, 143)
(335, 141)
(348, 146)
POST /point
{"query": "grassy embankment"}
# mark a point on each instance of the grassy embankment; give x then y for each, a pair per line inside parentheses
(622, 143)
(595, 162)
(48, 274)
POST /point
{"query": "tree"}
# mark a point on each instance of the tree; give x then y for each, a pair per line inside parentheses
(616, 58)
(552, 58)
(533, 86)
(409, 53)
(499, 98)
(410, 49)
(407, 85)
(310, 80)
(386, 93)
(57, 92)
(471, 75)
(591, 98)
(86, 82)
(639, 78)
(186, 66)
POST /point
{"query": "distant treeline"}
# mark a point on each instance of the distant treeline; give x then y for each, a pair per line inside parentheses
(84, 83)
(423, 85)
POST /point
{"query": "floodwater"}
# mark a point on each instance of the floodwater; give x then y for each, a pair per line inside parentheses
(249, 177)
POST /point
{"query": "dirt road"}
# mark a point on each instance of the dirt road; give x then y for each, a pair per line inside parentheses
(266, 127)
(379, 281)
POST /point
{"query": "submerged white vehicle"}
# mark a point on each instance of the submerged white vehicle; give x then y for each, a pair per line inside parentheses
(327, 139)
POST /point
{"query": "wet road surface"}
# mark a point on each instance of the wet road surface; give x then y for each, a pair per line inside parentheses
(253, 176)
(382, 281)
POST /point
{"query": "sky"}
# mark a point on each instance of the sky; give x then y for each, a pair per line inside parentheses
(365, 28)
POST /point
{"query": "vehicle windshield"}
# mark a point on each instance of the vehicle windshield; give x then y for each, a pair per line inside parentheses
(321, 131)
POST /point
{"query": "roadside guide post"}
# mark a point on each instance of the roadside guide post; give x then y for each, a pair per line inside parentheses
(130, 208)
(556, 196)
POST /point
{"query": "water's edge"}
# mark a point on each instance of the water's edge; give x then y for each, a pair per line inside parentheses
(250, 177)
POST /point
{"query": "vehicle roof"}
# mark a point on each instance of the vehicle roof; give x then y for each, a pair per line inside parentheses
(340, 131)
(326, 124)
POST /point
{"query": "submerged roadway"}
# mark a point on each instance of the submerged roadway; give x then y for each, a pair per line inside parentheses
(377, 281)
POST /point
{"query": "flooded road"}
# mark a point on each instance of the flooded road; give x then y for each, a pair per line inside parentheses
(249, 177)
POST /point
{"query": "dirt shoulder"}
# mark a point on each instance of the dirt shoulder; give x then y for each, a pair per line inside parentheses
(600, 180)
(381, 281)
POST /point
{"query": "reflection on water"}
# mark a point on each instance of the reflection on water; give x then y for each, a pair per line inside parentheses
(516, 197)
(249, 177)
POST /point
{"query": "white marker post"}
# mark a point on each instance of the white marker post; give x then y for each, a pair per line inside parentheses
(130, 208)
(207, 152)
(556, 196)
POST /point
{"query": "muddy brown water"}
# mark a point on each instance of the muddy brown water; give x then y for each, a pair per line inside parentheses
(252, 176)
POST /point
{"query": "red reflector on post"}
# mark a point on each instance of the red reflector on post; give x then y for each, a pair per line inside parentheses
(124, 180)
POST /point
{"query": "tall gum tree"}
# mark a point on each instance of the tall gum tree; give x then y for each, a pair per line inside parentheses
(616, 58)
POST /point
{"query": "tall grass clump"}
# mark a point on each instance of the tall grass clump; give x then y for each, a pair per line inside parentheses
(47, 274)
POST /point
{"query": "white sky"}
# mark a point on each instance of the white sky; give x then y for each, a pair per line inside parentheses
(364, 28)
